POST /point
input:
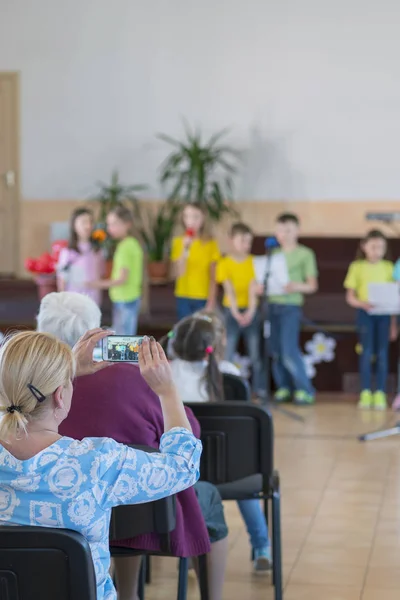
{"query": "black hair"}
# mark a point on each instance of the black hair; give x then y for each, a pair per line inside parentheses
(373, 234)
(240, 229)
(288, 218)
(73, 238)
(195, 340)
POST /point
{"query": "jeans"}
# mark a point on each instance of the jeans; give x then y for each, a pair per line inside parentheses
(187, 306)
(125, 317)
(252, 338)
(373, 332)
(288, 367)
(256, 524)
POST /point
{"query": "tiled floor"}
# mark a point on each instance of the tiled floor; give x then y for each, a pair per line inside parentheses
(341, 514)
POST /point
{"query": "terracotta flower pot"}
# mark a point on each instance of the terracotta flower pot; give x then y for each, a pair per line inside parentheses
(158, 271)
(46, 284)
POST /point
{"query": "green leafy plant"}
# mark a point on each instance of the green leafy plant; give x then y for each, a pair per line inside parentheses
(156, 228)
(201, 171)
(115, 193)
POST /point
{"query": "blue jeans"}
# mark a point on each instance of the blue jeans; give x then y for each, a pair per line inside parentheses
(187, 306)
(256, 524)
(288, 367)
(125, 316)
(373, 333)
(252, 339)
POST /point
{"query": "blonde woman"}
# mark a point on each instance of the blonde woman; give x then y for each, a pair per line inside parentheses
(54, 481)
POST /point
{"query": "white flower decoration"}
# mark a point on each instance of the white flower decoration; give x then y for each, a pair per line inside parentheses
(309, 365)
(321, 348)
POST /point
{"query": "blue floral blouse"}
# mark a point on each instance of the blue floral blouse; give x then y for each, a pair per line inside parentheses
(74, 484)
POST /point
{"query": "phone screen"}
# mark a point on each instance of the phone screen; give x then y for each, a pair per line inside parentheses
(121, 348)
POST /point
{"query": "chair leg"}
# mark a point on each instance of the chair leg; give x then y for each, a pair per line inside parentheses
(142, 578)
(148, 569)
(183, 578)
(276, 544)
(203, 577)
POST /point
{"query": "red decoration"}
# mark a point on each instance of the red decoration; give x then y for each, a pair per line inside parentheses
(46, 263)
(190, 232)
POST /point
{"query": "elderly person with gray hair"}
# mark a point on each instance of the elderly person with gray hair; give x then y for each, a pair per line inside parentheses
(117, 403)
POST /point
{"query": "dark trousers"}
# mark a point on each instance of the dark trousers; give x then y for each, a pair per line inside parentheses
(373, 333)
(187, 306)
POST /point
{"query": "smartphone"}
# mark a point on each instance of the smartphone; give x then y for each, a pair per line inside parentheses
(121, 348)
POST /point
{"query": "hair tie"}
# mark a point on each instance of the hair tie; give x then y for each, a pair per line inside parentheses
(170, 334)
(11, 409)
(209, 350)
(36, 393)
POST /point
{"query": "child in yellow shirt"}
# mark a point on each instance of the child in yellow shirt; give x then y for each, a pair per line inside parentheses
(374, 331)
(237, 274)
(194, 256)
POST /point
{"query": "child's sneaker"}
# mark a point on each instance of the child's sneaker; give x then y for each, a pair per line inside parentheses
(379, 401)
(365, 402)
(301, 398)
(282, 395)
(262, 559)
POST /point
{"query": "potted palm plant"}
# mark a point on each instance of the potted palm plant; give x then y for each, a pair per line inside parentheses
(201, 171)
(111, 195)
(155, 229)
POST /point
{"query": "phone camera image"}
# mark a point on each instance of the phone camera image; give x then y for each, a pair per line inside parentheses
(123, 348)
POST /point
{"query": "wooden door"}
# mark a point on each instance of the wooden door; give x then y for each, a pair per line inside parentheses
(9, 173)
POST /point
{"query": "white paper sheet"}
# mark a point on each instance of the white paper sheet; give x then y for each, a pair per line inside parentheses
(385, 298)
(278, 272)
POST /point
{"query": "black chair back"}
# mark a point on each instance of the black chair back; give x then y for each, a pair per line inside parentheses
(159, 517)
(236, 388)
(237, 441)
(39, 562)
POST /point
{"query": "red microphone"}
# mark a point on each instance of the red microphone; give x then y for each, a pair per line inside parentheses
(190, 232)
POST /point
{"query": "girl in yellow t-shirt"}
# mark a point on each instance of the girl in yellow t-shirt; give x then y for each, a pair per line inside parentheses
(374, 330)
(194, 256)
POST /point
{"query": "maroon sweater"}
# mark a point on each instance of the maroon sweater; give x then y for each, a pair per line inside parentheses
(117, 403)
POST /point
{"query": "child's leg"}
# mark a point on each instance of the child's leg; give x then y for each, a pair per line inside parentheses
(196, 305)
(252, 339)
(232, 335)
(291, 353)
(382, 332)
(125, 317)
(255, 522)
(365, 335)
(183, 309)
(279, 373)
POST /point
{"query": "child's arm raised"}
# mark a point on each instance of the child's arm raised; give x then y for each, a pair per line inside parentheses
(106, 284)
(179, 262)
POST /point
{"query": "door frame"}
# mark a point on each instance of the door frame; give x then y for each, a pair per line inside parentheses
(14, 76)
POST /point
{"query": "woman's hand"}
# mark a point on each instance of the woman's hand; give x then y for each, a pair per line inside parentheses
(155, 368)
(83, 352)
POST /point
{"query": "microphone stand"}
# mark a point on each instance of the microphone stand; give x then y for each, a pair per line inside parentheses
(266, 323)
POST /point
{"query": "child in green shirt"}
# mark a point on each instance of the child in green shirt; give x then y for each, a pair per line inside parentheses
(125, 284)
(288, 367)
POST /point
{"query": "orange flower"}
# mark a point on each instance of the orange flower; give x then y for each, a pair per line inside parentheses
(99, 235)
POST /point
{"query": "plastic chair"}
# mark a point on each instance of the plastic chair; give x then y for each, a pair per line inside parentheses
(157, 517)
(237, 457)
(39, 562)
(236, 388)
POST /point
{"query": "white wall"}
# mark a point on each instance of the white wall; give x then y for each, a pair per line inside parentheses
(310, 87)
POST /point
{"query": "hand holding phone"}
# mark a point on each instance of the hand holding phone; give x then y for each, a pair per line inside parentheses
(122, 348)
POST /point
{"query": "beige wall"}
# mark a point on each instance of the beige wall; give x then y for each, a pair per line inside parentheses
(318, 219)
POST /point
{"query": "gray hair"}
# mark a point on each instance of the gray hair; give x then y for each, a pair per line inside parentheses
(68, 315)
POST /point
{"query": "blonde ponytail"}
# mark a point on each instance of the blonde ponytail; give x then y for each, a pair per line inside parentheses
(32, 366)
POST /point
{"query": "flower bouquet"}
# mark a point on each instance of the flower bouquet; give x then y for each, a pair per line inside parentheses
(43, 269)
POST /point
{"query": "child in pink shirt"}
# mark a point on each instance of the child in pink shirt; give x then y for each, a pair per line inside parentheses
(80, 262)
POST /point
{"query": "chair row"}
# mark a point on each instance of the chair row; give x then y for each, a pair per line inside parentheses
(47, 563)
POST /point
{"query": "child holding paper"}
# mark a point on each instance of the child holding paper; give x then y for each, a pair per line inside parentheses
(374, 330)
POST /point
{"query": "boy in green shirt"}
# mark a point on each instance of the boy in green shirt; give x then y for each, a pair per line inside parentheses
(288, 367)
(125, 284)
